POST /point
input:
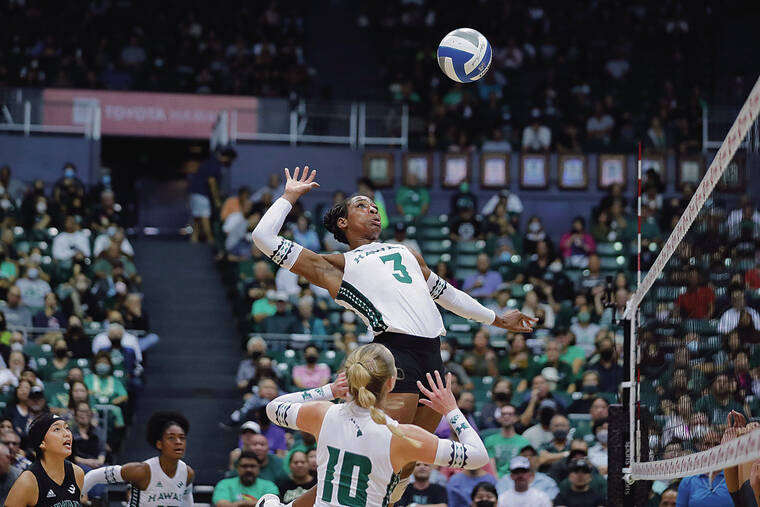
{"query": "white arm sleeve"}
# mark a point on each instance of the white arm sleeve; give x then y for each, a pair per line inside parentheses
(102, 475)
(457, 301)
(282, 251)
(468, 453)
(283, 410)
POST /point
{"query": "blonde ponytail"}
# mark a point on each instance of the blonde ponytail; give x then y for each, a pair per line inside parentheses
(367, 369)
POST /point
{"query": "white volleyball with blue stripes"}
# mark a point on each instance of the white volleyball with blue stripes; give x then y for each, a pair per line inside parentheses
(464, 55)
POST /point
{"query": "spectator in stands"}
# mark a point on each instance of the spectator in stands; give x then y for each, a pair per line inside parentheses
(466, 226)
(481, 361)
(274, 186)
(501, 396)
(738, 315)
(272, 468)
(422, 491)
(203, 187)
(115, 328)
(68, 187)
(103, 384)
(720, 401)
(283, 320)
(698, 302)
(18, 408)
(8, 473)
(586, 400)
(500, 306)
(551, 359)
(450, 360)
(235, 203)
(57, 368)
(597, 454)
(256, 348)
(580, 493)
(249, 484)
(485, 282)
(535, 233)
(506, 444)
(365, 186)
(599, 129)
(541, 481)
(557, 448)
(136, 318)
(13, 187)
(536, 137)
(532, 307)
(467, 487)
(305, 236)
(569, 352)
(106, 214)
(33, 288)
(656, 140)
(236, 226)
(412, 199)
(539, 433)
(517, 359)
(113, 235)
(301, 479)
(496, 142)
(10, 376)
(568, 139)
(593, 281)
(11, 439)
(87, 448)
(463, 199)
(610, 372)
(400, 237)
(247, 430)
(669, 497)
(561, 469)
(522, 491)
(51, 315)
(584, 330)
(76, 339)
(576, 245)
(312, 374)
(512, 201)
(70, 241)
(609, 315)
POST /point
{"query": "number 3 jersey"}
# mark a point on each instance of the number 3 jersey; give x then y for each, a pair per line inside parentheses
(353, 456)
(384, 285)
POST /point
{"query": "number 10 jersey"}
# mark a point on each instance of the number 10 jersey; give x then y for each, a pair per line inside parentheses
(384, 285)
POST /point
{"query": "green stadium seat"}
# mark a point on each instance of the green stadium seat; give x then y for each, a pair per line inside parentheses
(436, 246)
(467, 261)
(433, 221)
(617, 262)
(463, 273)
(609, 249)
(432, 259)
(433, 233)
(37, 351)
(482, 388)
(701, 326)
(669, 292)
(488, 432)
(470, 247)
(245, 269)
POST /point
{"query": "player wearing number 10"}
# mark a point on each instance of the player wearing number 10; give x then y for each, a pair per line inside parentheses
(360, 450)
(388, 286)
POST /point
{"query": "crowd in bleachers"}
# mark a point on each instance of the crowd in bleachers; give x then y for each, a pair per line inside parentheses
(252, 48)
(567, 77)
(72, 327)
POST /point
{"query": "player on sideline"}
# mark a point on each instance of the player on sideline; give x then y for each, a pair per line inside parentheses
(388, 286)
(162, 480)
(357, 439)
(52, 480)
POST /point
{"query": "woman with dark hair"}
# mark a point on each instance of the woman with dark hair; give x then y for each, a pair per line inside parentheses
(18, 409)
(484, 495)
(51, 480)
(165, 476)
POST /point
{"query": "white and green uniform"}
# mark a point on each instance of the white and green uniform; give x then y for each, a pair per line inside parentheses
(354, 459)
(384, 285)
(163, 491)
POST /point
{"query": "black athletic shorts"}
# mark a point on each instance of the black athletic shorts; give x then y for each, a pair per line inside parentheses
(415, 356)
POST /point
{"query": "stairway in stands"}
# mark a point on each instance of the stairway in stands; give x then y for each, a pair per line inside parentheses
(193, 368)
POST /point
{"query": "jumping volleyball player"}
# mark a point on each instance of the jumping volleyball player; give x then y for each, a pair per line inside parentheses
(360, 451)
(52, 480)
(387, 285)
(164, 480)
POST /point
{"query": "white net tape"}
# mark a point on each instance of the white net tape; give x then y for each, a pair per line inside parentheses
(734, 138)
(747, 447)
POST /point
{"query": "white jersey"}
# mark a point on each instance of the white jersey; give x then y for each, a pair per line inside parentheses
(163, 491)
(354, 459)
(383, 284)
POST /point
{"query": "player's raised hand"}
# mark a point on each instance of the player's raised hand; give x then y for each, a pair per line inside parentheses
(515, 321)
(439, 396)
(300, 183)
(339, 388)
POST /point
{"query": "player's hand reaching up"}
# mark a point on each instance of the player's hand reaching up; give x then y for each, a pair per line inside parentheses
(299, 184)
(439, 396)
(515, 321)
(340, 386)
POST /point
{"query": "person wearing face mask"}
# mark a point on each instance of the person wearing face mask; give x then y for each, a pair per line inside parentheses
(535, 233)
(33, 288)
(483, 495)
(256, 348)
(103, 386)
(128, 340)
(585, 396)
(559, 446)
(597, 454)
(584, 330)
(57, 369)
(69, 186)
(312, 374)
(610, 372)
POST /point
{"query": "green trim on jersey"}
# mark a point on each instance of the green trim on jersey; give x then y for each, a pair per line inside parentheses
(359, 302)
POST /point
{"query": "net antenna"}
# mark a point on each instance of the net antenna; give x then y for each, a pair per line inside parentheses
(742, 134)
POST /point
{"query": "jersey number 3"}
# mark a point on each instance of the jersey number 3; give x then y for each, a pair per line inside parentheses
(399, 270)
(351, 462)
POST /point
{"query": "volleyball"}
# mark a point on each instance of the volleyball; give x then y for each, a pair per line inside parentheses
(464, 55)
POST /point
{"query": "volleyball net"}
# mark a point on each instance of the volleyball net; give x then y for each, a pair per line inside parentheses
(694, 326)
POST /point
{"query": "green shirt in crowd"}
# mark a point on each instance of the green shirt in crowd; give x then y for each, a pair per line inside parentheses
(412, 200)
(232, 490)
(502, 450)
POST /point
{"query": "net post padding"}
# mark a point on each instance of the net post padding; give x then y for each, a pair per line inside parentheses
(732, 142)
(734, 452)
(622, 493)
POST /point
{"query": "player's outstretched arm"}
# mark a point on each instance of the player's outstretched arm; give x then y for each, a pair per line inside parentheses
(469, 453)
(137, 474)
(291, 410)
(464, 305)
(287, 253)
